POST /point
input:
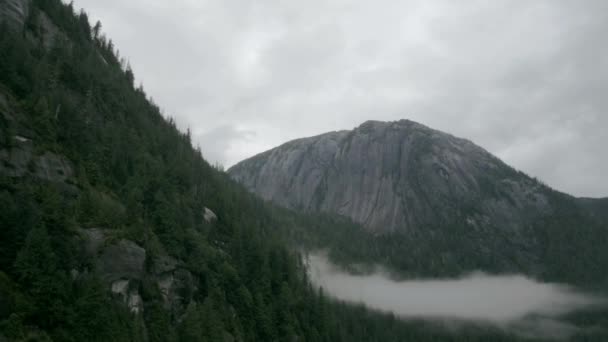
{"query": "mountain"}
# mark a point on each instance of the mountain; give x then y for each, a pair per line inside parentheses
(446, 200)
(395, 176)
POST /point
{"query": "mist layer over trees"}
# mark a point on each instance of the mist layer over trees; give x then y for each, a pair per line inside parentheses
(512, 302)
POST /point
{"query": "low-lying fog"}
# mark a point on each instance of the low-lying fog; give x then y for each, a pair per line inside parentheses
(512, 302)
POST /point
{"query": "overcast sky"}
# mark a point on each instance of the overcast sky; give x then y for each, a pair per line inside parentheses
(527, 80)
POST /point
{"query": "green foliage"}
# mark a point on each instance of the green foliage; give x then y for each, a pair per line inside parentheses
(36, 258)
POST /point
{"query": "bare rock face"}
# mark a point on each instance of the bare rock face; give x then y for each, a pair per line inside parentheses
(395, 176)
(209, 215)
(121, 265)
(129, 294)
(175, 283)
(14, 11)
(49, 32)
(21, 160)
(119, 260)
(177, 289)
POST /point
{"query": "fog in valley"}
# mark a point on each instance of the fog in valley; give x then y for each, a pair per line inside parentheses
(511, 302)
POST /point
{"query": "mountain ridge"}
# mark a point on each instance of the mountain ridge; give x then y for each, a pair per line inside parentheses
(296, 174)
(435, 204)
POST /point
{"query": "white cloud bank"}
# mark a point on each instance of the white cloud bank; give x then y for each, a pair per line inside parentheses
(513, 302)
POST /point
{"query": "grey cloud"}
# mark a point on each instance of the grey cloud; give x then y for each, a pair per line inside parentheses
(525, 80)
(511, 302)
(217, 142)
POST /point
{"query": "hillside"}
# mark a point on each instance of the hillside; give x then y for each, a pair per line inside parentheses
(396, 176)
(441, 204)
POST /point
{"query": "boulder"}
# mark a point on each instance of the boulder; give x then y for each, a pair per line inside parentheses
(122, 260)
(120, 287)
(209, 215)
(114, 260)
(129, 294)
(49, 32)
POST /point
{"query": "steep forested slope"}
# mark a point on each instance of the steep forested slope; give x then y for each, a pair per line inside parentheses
(102, 205)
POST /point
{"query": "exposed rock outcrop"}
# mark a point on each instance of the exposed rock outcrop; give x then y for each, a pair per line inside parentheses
(119, 260)
(177, 289)
(395, 176)
(128, 294)
(123, 260)
(176, 284)
(14, 11)
(209, 215)
(49, 33)
(121, 265)
(22, 160)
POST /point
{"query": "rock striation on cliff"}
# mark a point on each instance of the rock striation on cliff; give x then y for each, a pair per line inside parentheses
(395, 176)
(14, 12)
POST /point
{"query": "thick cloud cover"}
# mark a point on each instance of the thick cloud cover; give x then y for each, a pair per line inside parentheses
(524, 79)
(514, 302)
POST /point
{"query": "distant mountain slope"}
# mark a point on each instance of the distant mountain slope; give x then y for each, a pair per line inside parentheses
(395, 176)
(436, 204)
